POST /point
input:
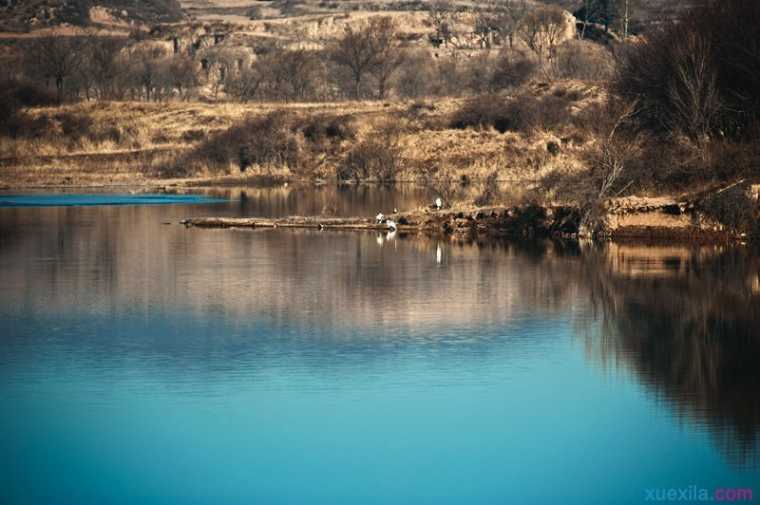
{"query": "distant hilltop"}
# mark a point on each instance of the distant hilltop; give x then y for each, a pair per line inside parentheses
(28, 15)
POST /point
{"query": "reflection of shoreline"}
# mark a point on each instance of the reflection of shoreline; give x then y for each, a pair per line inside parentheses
(316, 278)
(686, 322)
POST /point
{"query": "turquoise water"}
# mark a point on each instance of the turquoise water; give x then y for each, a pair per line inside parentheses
(146, 363)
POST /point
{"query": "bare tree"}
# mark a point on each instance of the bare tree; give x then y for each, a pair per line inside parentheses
(103, 67)
(146, 72)
(56, 58)
(365, 50)
(245, 84)
(693, 90)
(509, 16)
(389, 57)
(542, 30)
(297, 72)
(442, 16)
(183, 75)
(485, 27)
(278, 73)
(355, 51)
(265, 77)
(587, 13)
(218, 62)
(626, 13)
(554, 23)
(530, 32)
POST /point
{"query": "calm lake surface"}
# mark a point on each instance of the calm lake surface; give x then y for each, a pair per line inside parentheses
(142, 362)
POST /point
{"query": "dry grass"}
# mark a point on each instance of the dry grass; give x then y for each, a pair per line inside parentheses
(133, 142)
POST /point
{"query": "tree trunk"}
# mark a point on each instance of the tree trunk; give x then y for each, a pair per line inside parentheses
(357, 85)
(587, 10)
(59, 88)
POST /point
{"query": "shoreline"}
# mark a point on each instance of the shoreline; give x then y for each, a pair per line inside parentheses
(517, 222)
(625, 219)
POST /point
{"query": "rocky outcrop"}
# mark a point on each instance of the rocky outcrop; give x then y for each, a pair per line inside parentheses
(724, 215)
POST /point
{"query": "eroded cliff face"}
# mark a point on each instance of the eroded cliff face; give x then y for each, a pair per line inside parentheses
(729, 213)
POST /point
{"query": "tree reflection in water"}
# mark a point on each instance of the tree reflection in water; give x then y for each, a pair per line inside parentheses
(687, 322)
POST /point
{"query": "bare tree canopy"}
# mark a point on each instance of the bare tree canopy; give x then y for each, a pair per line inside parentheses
(56, 58)
(369, 49)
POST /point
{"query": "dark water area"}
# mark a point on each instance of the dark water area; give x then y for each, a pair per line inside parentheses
(142, 362)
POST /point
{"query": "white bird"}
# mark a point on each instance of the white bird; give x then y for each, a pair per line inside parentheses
(391, 224)
(438, 203)
(395, 210)
(380, 218)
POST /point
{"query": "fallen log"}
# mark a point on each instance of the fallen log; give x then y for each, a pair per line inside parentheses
(319, 223)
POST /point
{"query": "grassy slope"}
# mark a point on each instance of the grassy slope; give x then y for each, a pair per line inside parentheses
(125, 143)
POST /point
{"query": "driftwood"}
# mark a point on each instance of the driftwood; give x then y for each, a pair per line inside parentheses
(320, 223)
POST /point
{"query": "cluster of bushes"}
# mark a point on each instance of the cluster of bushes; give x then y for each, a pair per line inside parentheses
(286, 140)
(278, 140)
(521, 113)
(14, 95)
(584, 60)
(62, 127)
(377, 157)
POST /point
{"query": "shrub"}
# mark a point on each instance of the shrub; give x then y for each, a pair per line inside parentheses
(553, 148)
(265, 141)
(732, 207)
(323, 130)
(74, 126)
(15, 95)
(270, 141)
(279, 139)
(485, 111)
(377, 157)
(193, 135)
(521, 113)
(512, 69)
(578, 59)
